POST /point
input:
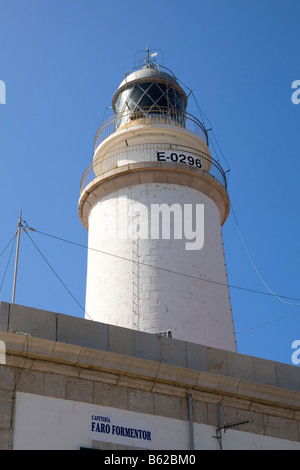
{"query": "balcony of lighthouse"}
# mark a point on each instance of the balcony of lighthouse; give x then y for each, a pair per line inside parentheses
(168, 137)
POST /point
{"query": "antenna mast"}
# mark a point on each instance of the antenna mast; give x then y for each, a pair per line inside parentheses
(149, 56)
(17, 257)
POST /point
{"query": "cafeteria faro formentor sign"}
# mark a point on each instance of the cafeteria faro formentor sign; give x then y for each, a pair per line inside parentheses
(136, 433)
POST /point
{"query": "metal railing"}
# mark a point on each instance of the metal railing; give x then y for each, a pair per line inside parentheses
(152, 115)
(148, 152)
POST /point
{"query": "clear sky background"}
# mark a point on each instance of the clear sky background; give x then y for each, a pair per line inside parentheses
(62, 60)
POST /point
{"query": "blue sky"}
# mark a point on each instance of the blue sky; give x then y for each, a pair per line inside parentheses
(61, 62)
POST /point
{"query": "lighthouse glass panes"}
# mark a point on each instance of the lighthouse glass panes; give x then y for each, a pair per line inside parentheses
(150, 99)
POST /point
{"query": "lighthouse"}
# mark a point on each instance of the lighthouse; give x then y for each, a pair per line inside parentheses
(154, 201)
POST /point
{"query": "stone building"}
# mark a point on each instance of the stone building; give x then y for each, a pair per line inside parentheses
(71, 383)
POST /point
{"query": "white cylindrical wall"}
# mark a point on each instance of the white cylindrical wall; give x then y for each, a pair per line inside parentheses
(155, 285)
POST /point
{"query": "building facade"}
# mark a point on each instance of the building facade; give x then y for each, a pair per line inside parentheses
(70, 383)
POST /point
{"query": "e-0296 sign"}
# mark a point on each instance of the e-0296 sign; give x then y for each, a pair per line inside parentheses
(178, 157)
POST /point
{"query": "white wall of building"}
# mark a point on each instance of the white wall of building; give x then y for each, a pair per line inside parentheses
(43, 423)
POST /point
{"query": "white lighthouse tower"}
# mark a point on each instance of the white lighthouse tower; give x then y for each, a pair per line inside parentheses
(153, 201)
